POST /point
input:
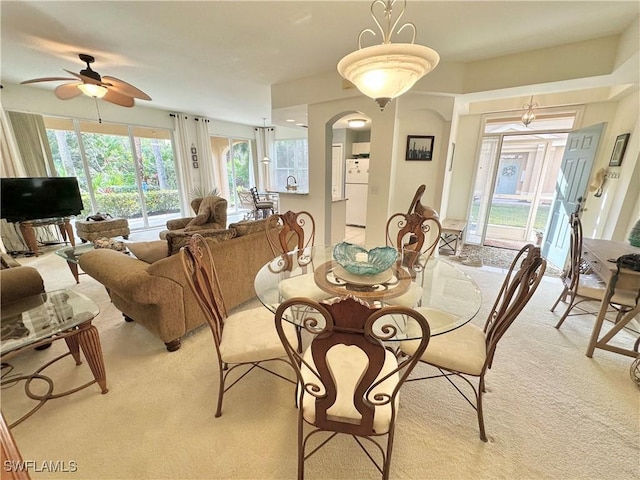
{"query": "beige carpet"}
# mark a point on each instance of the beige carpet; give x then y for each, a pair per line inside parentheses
(550, 411)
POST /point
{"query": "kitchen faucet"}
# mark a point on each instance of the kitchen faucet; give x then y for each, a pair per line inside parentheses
(292, 186)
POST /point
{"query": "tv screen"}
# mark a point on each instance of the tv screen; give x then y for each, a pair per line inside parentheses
(34, 198)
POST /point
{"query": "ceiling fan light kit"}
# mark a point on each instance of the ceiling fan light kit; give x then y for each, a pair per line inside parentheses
(384, 72)
(90, 83)
(92, 90)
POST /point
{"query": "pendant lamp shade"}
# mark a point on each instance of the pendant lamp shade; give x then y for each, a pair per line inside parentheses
(386, 71)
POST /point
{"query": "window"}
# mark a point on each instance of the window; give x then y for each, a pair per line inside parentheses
(126, 171)
(291, 158)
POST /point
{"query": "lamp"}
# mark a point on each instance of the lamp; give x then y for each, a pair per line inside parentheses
(386, 71)
(262, 136)
(529, 115)
(357, 123)
(93, 90)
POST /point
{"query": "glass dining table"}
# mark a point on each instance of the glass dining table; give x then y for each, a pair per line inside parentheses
(448, 298)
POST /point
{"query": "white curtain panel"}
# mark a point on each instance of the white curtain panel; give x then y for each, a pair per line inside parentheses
(183, 151)
(23, 135)
(209, 172)
(31, 140)
(11, 159)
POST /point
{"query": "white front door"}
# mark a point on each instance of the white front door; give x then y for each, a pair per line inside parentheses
(571, 186)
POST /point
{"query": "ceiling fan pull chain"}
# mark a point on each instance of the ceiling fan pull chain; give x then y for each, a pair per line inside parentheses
(97, 109)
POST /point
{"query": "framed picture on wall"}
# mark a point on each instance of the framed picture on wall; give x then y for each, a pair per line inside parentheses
(618, 149)
(419, 147)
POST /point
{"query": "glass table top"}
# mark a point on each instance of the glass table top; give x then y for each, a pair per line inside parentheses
(72, 254)
(448, 297)
(38, 317)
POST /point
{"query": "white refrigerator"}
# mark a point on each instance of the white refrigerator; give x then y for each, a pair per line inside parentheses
(356, 185)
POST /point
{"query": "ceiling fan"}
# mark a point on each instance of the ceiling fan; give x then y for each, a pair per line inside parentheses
(90, 83)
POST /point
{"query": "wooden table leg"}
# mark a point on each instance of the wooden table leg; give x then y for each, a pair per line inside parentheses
(74, 270)
(603, 342)
(29, 235)
(89, 341)
(74, 348)
(69, 229)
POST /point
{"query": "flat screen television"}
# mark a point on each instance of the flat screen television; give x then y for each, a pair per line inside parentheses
(35, 198)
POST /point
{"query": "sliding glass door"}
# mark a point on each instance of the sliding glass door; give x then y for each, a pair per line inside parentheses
(126, 171)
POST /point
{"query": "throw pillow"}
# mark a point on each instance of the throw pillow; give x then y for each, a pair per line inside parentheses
(177, 240)
(248, 226)
(149, 251)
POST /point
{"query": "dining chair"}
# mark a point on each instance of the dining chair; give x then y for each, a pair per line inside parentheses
(417, 207)
(579, 286)
(348, 382)
(288, 232)
(469, 350)
(416, 238)
(245, 198)
(263, 207)
(243, 339)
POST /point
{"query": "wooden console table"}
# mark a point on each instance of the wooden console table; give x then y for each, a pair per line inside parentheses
(601, 256)
(64, 225)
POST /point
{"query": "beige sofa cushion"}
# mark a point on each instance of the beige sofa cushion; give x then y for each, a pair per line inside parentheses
(177, 240)
(149, 252)
(248, 226)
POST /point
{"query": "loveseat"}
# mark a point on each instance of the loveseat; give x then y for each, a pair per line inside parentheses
(156, 293)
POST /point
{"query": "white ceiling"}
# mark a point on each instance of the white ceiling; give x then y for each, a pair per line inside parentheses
(219, 58)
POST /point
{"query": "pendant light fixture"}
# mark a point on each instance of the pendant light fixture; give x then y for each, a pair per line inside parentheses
(262, 137)
(384, 72)
(529, 115)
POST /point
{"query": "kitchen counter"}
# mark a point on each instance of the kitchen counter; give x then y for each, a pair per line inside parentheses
(289, 192)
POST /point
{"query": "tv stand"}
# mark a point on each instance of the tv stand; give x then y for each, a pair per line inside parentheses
(64, 225)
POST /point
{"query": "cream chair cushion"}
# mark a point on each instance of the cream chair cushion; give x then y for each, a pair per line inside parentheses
(462, 350)
(251, 336)
(302, 286)
(347, 364)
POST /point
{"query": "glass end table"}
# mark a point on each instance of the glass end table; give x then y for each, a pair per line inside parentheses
(42, 319)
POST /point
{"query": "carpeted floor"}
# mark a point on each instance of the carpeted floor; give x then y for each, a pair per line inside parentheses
(550, 412)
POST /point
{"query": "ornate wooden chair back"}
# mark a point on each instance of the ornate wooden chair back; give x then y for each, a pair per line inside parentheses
(290, 231)
(522, 280)
(416, 238)
(347, 376)
(198, 265)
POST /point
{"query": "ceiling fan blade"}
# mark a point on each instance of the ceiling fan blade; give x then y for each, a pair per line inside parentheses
(84, 78)
(125, 88)
(67, 91)
(118, 98)
(48, 79)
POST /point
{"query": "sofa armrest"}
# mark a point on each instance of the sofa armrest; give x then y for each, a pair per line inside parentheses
(19, 282)
(125, 275)
(178, 223)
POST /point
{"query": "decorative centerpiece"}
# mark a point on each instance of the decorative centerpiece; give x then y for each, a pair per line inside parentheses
(360, 261)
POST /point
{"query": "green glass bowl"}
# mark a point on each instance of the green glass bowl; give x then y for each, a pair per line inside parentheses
(378, 259)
